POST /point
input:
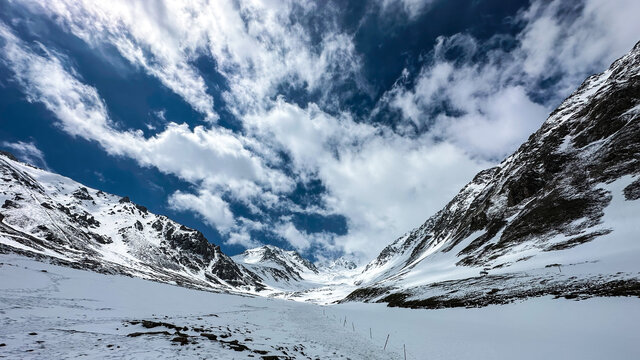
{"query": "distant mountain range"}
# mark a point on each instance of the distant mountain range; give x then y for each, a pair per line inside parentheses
(558, 217)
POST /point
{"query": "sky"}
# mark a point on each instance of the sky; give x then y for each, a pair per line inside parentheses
(326, 127)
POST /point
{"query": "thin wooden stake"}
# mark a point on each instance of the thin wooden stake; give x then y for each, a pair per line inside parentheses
(353, 327)
(404, 348)
(385, 343)
(370, 337)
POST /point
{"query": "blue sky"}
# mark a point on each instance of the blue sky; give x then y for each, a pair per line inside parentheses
(328, 127)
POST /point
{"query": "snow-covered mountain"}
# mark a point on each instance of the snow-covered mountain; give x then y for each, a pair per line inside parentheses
(341, 264)
(557, 217)
(50, 216)
(288, 275)
(277, 267)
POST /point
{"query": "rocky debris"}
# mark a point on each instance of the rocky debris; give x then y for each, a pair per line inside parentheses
(101, 239)
(632, 191)
(182, 336)
(82, 194)
(82, 218)
(136, 334)
(150, 324)
(8, 204)
(138, 225)
(141, 208)
(182, 339)
(211, 337)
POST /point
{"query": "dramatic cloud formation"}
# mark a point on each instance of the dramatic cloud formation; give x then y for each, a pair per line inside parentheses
(212, 158)
(281, 70)
(487, 100)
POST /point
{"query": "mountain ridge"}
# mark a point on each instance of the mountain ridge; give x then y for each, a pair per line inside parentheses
(50, 216)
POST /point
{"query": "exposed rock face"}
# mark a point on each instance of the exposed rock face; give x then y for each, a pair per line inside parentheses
(550, 195)
(49, 216)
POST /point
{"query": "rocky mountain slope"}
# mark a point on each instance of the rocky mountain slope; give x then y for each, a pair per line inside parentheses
(558, 217)
(51, 217)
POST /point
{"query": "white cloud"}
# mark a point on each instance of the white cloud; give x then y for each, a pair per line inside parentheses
(496, 127)
(212, 157)
(146, 33)
(214, 210)
(28, 152)
(383, 183)
(553, 43)
(255, 44)
(391, 185)
(293, 236)
(488, 114)
(243, 239)
(491, 109)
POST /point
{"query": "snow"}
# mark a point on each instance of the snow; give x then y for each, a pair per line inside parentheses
(78, 313)
(542, 328)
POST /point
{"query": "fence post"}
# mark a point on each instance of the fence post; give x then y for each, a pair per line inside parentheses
(385, 343)
(404, 349)
(370, 337)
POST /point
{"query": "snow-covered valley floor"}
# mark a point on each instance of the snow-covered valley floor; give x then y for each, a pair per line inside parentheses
(52, 312)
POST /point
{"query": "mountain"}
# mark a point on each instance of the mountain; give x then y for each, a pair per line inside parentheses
(54, 218)
(558, 217)
(289, 276)
(340, 264)
(277, 267)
